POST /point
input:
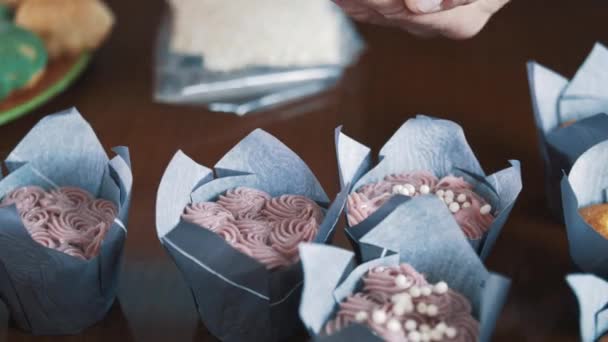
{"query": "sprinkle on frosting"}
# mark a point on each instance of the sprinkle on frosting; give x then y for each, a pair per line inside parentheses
(66, 219)
(264, 228)
(435, 314)
(471, 211)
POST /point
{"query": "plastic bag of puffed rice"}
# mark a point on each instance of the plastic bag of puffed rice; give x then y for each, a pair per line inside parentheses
(242, 56)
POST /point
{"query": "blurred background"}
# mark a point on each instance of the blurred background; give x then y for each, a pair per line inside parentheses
(480, 83)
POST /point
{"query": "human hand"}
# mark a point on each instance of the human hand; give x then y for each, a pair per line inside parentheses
(455, 19)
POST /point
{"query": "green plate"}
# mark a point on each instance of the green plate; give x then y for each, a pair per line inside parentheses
(24, 104)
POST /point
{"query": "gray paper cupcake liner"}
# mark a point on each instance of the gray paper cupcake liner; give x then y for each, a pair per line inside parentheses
(236, 297)
(592, 295)
(46, 291)
(426, 144)
(448, 258)
(584, 186)
(556, 101)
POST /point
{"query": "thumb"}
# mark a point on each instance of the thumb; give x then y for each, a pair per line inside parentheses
(430, 6)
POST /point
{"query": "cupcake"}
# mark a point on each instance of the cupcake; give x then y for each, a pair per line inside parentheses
(584, 203)
(391, 299)
(397, 304)
(63, 212)
(264, 228)
(570, 116)
(426, 157)
(234, 232)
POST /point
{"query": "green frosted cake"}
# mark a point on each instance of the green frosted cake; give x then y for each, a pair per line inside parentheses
(23, 58)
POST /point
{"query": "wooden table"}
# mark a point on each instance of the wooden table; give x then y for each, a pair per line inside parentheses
(480, 84)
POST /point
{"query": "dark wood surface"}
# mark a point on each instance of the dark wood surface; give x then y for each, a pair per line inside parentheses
(480, 84)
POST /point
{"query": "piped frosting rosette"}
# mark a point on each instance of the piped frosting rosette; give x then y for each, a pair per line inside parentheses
(570, 116)
(426, 157)
(410, 291)
(63, 213)
(214, 224)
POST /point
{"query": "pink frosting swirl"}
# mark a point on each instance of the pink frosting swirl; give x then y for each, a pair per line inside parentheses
(264, 228)
(468, 205)
(292, 207)
(381, 282)
(67, 219)
(399, 305)
(24, 198)
(361, 207)
(244, 202)
(454, 183)
(417, 179)
(287, 235)
(207, 214)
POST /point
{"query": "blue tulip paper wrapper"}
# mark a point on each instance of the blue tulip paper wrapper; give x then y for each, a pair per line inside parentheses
(569, 115)
(592, 294)
(433, 244)
(46, 291)
(426, 144)
(584, 186)
(236, 297)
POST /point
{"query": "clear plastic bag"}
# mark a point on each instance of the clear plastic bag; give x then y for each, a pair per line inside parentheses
(183, 78)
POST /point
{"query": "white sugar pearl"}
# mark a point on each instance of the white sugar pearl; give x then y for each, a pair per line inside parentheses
(379, 269)
(414, 336)
(485, 209)
(448, 200)
(426, 291)
(401, 281)
(461, 198)
(421, 308)
(415, 292)
(410, 325)
(424, 189)
(379, 317)
(399, 309)
(441, 287)
(401, 297)
(432, 310)
(454, 207)
(410, 188)
(425, 337)
(466, 204)
(402, 308)
(441, 327)
(450, 332)
(405, 192)
(361, 316)
(436, 335)
(424, 328)
(440, 193)
(397, 189)
(449, 194)
(393, 325)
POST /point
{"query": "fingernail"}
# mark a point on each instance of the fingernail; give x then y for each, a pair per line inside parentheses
(427, 6)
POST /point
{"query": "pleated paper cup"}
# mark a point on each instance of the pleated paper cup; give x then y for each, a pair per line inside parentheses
(49, 292)
(433, 244)
(237, 298)
(592, 294)
(426, 144)
(570, 116)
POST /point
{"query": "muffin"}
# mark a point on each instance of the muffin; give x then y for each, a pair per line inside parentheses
(597, 217)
